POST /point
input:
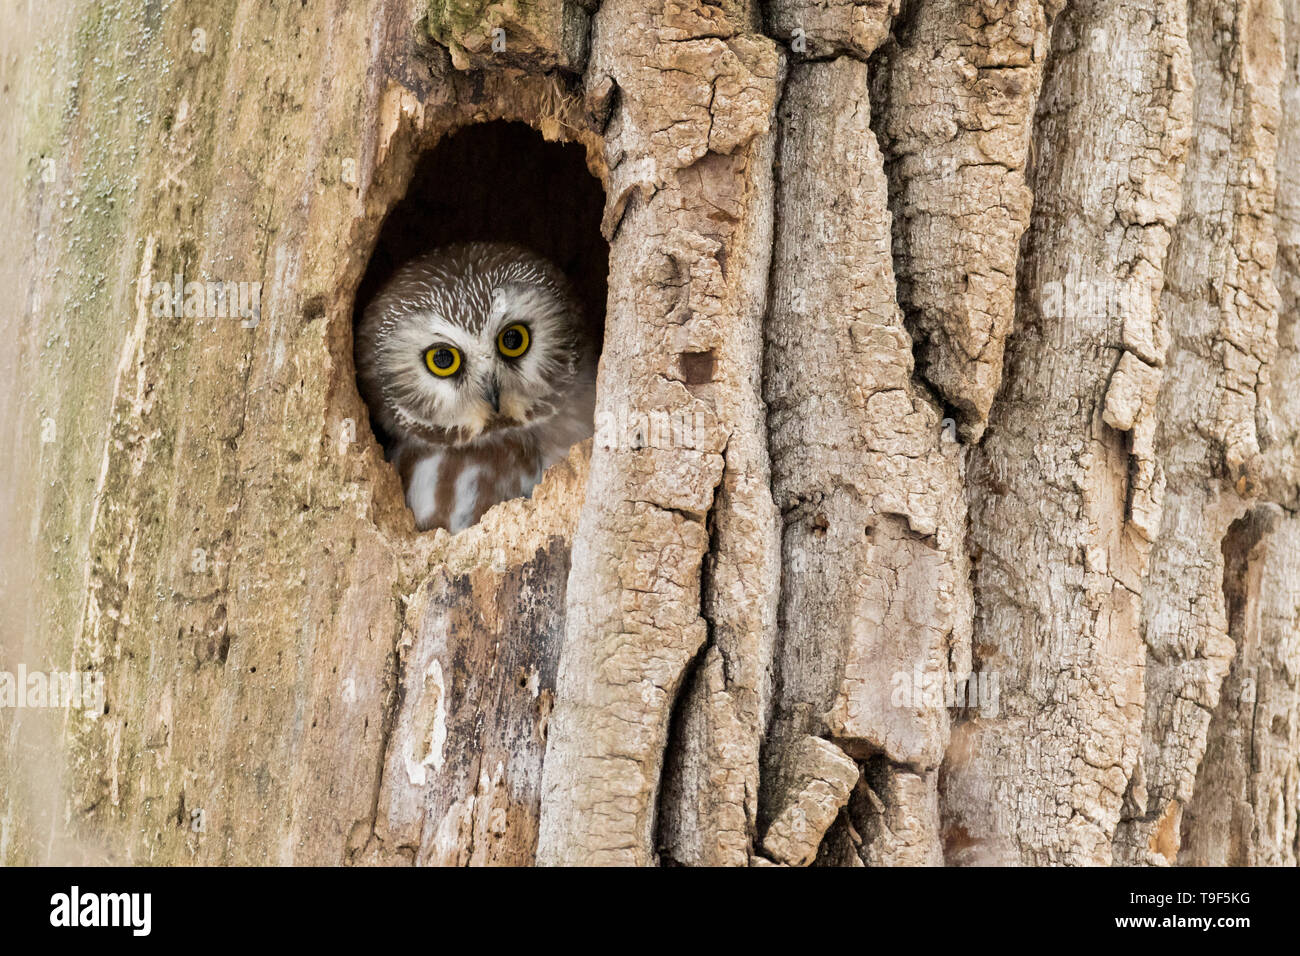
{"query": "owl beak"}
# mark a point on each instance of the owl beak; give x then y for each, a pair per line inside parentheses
(493, 396)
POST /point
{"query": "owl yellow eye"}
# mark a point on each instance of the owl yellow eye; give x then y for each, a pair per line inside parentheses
(443, 360)
(513, 340)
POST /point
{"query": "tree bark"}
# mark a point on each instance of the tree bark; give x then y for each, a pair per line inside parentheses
(943, 501)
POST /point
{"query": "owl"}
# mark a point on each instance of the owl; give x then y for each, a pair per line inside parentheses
(479, 372)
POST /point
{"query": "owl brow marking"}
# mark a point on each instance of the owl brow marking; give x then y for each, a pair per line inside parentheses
(464, 297)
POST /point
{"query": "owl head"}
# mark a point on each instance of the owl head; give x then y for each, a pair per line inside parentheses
(467, 340)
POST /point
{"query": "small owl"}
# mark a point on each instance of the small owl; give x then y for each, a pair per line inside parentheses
(477, 367)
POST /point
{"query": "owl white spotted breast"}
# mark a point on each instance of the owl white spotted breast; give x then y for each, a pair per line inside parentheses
(478, 369)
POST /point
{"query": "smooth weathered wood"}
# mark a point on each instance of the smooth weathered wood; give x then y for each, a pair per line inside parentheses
(226, 545)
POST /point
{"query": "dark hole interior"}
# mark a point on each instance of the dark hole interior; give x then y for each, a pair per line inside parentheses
(501, 181)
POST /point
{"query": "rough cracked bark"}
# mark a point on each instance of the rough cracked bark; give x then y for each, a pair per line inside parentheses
(1208, 435)
(873, 565)
(1241, 806)
(955, 89)
(1059, 596)
(689, 200)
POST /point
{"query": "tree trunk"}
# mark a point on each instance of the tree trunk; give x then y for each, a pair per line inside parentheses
(944, 499)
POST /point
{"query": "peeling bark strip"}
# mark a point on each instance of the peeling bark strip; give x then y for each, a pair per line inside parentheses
(812, 783)
(689, 155)
(955, 91)
(1208, 414)
(873, 567)
(775, 614)
(1242, 810)
(1061, 502)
